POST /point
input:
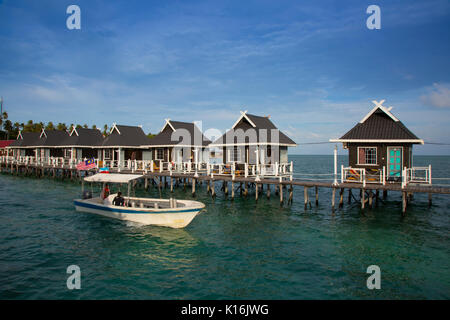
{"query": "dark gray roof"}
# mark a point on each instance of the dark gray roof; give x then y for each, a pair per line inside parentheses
(380, 126)
(265, 130)
(129, 136)
(164, 138)
(85, 137)
(28, 139)
(51, 138)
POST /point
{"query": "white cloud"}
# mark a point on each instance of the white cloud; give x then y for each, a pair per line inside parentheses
(438, 96)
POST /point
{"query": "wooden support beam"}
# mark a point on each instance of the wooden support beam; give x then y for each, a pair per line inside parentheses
(291, 194)
(225, 188)
(256, 192)
(305, 196)
(370, 198)
(385, 194)
(430, 202)
(341, 198)
(317, 195)
(171, 184)
(363, 199)
(213, 189)
(268, 191)
(281, 194)
(193, 187)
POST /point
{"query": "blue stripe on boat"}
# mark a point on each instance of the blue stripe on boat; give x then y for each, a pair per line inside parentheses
(104, 208)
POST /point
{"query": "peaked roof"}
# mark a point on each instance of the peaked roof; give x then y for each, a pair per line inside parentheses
(25, 139)
(379, 125)
(183, 131)
(264, 129)
(126, 136)
(84, 137)
(51, 138)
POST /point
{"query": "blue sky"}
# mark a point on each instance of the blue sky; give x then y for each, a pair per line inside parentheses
(313, 66)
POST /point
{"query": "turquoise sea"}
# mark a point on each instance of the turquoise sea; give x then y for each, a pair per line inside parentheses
(234, 250)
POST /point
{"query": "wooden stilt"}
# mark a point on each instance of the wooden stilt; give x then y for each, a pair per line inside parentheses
(341, 198)
(256, 192)
(430, 202)
(370, 198)
(226, 188)
(281, 194)
(363, 199)
(193, 187)
(232, 190)
(291, 194)
(213, 189)
(268, 191)
(305, 192)
(317, 195)
(385, 194)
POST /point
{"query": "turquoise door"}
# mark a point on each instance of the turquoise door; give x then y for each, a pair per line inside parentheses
(395, 162)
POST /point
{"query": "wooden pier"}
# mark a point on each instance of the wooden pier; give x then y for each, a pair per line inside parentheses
(370, 194)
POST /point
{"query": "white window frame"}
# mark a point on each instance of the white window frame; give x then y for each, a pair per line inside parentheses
(156, 154)
(108, 154)
(367, 164)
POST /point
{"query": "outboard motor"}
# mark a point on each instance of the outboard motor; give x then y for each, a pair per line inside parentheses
(87, 194)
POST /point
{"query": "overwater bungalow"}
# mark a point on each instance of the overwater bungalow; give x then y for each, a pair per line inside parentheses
(83, 143)
(380, 149)
(179, 142)
(124, 143)
(254, 140)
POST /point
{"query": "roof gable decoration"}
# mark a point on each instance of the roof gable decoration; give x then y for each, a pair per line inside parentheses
(168, 124)
(43, 133)
(379, 105)
(74, 130)
(244, 115)
(114, 127)
(19, 135)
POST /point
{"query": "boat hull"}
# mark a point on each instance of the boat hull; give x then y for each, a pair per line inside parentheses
(174, 218)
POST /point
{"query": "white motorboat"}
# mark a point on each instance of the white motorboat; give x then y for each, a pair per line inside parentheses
(161, 212)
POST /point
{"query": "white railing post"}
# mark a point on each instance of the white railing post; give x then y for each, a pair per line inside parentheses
(364, 177)
(246, 170)
(429, 174)
(342, 173)
(384, 175)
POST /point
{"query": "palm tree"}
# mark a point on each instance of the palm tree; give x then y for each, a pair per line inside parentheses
(28, 127)
(50, 126)
(3, 116)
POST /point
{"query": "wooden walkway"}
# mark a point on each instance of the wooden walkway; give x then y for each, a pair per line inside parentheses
(368, 193)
